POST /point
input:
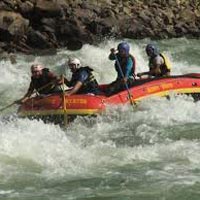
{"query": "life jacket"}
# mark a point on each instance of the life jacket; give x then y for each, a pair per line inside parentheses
(89, 85)
(123, 63)
(43, 80)
(164, 68)
(167, 62)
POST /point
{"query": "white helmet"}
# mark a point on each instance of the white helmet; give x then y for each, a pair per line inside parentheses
(74, 61)
(37, 67)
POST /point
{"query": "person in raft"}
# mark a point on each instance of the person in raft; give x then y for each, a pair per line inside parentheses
(124, 66)
(43, 81)
(82, 80)
(159, 65)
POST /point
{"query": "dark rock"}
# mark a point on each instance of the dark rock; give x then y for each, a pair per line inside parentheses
(10, 5)
(100, 28)
(43, 24)
(26, 8)
(74, 44)
(38, 40)
(3, 6)
(43, 52)
(13, 23)
(180, 30)
(47, 8)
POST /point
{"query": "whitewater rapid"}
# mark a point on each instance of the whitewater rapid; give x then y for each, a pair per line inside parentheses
(150, 150)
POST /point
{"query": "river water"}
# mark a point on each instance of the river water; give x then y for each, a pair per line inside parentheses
(149, 153)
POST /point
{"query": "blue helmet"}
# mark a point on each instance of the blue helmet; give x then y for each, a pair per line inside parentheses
(152, 50)
(123, 46)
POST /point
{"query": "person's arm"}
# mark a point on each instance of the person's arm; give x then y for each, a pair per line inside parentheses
(155, 69)
(112, 54)
(157, 62)
(30, 90)
(168, 73)
(53, 77)
(75, 89)
(27, 95)
(81, 79)
(67, 82)
(142, 74)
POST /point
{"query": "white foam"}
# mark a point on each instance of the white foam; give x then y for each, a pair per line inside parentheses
(120, 136)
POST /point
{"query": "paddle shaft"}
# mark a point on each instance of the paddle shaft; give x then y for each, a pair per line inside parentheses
(125, 83)
(8, 106)
(44, 86)
(64, 103)
(41, 88)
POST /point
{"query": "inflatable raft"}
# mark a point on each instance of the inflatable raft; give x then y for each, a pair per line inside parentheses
(59, 104)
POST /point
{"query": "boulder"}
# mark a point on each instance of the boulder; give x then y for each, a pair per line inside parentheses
(43, 24)
(47, 8)
(13, 23)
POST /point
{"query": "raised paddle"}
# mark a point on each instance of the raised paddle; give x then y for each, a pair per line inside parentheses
(125, 83)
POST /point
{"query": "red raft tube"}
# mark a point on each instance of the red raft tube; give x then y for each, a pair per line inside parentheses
(86, 104)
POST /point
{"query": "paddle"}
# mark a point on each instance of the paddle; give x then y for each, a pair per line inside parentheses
(64, 102)
(8, 106)
(125, 83)
(44, 86)
(38, 90)
(17, 101)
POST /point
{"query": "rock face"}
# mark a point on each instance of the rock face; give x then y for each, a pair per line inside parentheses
(29, 25)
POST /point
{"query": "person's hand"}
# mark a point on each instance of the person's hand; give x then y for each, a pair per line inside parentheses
(21, 101)
(67, 94)
(113, 50)
(124, 80)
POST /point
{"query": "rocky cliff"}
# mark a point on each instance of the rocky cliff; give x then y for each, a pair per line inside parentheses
(29, 25)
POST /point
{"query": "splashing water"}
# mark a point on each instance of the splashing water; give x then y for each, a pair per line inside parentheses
(149, 153)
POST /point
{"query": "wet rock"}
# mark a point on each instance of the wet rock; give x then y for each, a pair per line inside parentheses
(26, 8)
(37, 39)
(47, 8)
(13, 23)
(74, 44)
(43, 24)
(8, 56)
